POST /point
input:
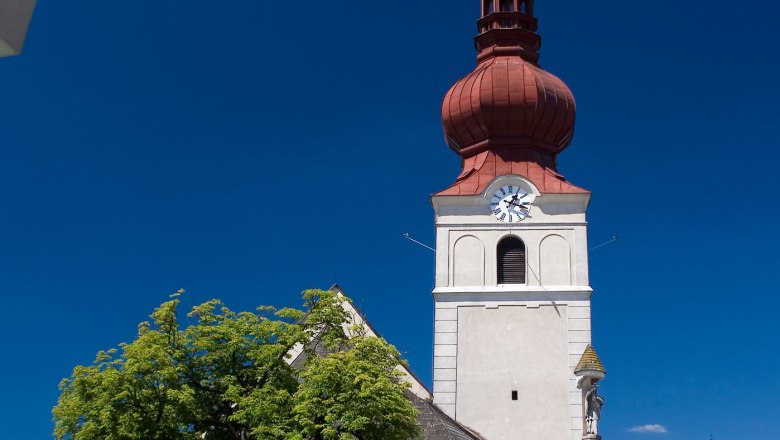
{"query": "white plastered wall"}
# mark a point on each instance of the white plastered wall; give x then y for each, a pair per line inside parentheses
(453, 366)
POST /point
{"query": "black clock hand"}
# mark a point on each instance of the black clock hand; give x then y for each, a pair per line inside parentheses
(519, 206)
(517, 196)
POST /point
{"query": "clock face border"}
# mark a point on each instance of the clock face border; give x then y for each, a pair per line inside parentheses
(511, 202)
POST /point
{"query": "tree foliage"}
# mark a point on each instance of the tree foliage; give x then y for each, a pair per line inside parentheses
(228, 376)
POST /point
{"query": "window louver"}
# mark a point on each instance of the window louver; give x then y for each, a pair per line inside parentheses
(511, 261)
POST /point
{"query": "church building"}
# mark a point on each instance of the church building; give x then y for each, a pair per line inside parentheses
(513, 356)
(512, 353)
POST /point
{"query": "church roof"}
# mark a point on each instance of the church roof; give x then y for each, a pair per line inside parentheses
(590, 361)
(439, 426)
(483, 168)
(508, 116)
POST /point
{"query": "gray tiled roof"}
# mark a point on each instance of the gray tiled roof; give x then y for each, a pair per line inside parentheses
(439, 426)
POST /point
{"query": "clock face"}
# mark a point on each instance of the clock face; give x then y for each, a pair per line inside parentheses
(510, 203)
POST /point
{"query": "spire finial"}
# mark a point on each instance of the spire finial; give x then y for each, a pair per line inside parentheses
(508, 27)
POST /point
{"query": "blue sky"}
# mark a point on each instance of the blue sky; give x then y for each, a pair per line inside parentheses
(151, 146)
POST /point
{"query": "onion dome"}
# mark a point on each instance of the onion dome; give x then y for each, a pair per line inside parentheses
(508, 102)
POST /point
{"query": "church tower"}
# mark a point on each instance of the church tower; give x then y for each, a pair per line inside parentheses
(512, 351)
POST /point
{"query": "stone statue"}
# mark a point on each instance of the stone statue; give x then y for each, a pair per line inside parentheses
(595, 402)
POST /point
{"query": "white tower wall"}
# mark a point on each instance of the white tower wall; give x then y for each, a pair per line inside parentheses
(492, 340)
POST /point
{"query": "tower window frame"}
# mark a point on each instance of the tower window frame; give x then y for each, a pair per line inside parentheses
(488, 7)
(523, 6)
(507, 5)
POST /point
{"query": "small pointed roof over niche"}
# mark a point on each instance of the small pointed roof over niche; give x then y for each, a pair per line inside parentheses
(590, 362)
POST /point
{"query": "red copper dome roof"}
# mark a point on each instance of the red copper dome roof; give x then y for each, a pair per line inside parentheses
(508, 116)
(508, 102)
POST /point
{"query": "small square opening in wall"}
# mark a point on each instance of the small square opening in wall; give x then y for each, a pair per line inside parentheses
(514, 395)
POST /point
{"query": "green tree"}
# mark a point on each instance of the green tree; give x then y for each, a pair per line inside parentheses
(346, 395)
(228, 376)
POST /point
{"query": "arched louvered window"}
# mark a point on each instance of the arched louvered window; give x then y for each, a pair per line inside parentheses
(511, 261)
(507, 5)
